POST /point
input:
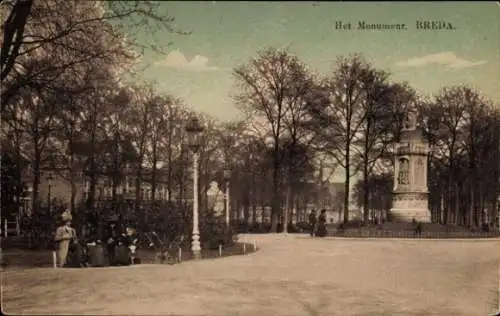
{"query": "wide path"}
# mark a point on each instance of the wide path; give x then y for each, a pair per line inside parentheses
(290, 275)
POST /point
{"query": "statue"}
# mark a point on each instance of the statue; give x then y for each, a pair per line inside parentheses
(215, 198)
(410, 122)
(404, 170)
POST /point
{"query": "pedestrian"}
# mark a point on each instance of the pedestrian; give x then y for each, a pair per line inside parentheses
(312, 222)
(321, 232)
(64, 235)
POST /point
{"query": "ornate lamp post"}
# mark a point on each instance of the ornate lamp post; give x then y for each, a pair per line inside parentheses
(227, 177)
(194, 133)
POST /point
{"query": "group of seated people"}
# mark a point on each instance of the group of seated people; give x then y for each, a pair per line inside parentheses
(97, 246)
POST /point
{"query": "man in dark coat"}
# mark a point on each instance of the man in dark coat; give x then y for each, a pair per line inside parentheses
(312, 221)
(321, 230)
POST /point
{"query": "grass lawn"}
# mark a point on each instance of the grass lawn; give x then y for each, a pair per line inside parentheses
(290, 275)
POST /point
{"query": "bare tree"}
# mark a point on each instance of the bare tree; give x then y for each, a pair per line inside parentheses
(339, 114)
(269, 87)
(36, 112)
(139, 129)
(444, 120)
(31, 25)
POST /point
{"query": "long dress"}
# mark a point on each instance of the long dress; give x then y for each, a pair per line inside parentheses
(63, 237)
(321, 232)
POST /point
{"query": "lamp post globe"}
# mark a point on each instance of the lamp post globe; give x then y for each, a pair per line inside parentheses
(194, 131)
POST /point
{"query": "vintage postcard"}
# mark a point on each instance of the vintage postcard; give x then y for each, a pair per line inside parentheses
(250, 158)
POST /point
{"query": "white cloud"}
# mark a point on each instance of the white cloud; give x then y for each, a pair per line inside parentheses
(447, 59)
(176, 59)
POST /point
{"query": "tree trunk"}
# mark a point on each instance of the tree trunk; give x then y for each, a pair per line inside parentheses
(449, 202)
(472, 205)
(286, 211)
(276, 202)
(169, 170)
(36, 179)
(366, 194)
(92, 170)
(346, 196)
(457, 204)
(479, 218)
(246, 215)
(138, 180)
(153, 173)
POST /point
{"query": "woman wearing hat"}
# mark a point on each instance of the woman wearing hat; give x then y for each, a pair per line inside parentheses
(64, 235)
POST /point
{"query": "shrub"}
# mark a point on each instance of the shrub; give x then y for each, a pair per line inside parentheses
(304, 226)
(214, 231)
(259, 228)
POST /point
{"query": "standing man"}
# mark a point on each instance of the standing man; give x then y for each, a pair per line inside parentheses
(312, 222)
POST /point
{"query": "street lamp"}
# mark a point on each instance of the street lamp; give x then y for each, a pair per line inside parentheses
(227, 177)
(49, 193)
(194, 133)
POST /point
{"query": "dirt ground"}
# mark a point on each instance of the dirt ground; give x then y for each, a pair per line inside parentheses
(289, 275)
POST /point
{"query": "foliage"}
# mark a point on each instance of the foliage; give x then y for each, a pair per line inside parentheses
(274, 87)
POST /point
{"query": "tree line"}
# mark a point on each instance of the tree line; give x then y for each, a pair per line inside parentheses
(71, 92)
(355, 115)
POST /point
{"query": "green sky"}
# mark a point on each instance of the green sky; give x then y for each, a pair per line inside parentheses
(226, 34)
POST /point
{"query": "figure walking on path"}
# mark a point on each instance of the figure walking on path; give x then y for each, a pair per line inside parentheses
(322, 224)
(312, 222)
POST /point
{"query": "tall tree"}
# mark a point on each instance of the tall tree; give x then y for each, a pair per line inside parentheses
(30, 25)
(340, 115)
(444, 121)
(269, 86)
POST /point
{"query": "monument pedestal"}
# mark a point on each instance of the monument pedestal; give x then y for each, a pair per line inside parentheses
(407, 215)
(410, 206)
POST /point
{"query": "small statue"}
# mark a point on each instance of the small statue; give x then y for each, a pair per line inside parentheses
(410, 120)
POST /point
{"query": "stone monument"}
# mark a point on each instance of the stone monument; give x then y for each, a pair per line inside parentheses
(410, 192)
(215, 199)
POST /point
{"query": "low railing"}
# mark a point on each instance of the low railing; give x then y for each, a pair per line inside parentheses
(360, 233)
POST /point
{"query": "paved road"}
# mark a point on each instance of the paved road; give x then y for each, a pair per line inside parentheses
(290, 275)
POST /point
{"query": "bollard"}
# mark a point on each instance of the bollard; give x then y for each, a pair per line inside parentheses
(179, 255)
(54, 259)
(254, 245)
(244, 248)
(220, 250)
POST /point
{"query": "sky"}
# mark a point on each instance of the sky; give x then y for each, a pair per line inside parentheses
(198, 67)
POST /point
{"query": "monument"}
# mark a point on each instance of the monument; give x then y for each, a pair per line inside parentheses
(215, 199)
(410, 192)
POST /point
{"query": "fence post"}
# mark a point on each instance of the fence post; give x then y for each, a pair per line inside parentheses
(54, 259)
(220, 250)
(179, 254)
(5, 227)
